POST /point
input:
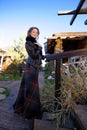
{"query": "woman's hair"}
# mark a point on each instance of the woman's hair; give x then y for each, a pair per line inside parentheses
(29, 31)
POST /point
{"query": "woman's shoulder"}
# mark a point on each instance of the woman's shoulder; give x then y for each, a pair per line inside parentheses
(29, 43)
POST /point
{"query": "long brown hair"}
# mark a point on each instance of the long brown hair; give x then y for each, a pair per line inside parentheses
(29, 31)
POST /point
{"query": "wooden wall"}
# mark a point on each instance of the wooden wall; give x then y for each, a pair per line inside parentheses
(67, 44)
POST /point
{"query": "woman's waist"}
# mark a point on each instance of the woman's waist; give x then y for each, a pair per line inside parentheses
(34, 62)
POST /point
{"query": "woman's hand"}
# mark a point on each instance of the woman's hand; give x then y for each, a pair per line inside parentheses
(37, 43)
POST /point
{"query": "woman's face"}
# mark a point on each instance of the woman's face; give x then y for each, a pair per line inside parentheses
(34, 33)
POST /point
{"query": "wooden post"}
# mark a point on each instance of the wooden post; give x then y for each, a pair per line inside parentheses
(57, 78)
(1, 62)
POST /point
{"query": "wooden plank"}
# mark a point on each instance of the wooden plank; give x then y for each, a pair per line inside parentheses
(80, 116)
(70, 12)
(66, 54)
(77, 11)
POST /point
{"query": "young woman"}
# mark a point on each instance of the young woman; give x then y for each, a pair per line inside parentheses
(28, 99)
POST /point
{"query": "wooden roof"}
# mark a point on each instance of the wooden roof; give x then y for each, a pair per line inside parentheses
(70, 40)
(65, 35)
(3, 52)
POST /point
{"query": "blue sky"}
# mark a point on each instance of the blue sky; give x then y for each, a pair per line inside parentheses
(17, 16)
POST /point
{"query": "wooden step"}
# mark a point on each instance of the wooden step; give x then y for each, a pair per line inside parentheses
(11, 121)
(46, 125)
(80, 117)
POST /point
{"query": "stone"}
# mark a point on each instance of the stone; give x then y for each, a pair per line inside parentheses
(2, 96)
(2, 90)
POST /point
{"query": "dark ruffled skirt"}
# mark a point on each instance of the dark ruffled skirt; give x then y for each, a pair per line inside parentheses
(28, 98)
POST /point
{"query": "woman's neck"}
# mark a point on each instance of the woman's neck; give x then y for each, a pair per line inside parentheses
(30, 38)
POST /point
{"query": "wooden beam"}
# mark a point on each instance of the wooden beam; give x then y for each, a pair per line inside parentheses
(68, 54)
(77, 11)
(85, 22)
(71, 12)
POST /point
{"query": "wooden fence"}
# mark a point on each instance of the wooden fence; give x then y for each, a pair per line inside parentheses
(58, 57)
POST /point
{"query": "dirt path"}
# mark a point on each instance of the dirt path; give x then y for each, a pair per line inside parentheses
(9, 120)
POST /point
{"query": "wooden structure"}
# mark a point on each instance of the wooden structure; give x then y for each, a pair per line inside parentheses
(58, 57)
(66, 41)
(4, 59)
(63, 46)
(81, 9)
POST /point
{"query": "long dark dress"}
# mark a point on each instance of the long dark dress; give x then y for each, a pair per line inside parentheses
(28, 98)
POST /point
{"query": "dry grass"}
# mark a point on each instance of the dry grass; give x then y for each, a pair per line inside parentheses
(73, 91)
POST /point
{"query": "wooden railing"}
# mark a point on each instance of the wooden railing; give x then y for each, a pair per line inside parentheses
(58, 57)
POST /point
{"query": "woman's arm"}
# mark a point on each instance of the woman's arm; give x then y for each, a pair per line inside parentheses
(31, 50)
